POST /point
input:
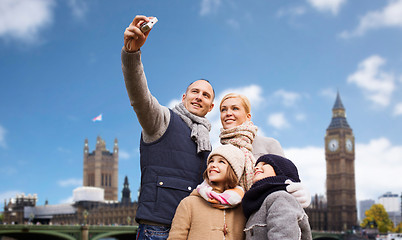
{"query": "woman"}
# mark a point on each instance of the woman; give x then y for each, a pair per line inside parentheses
(238, 130)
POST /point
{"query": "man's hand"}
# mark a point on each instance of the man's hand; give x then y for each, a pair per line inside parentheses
(298, 191)
(133, 37)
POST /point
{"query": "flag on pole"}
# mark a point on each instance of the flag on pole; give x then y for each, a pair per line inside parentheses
(98, 118)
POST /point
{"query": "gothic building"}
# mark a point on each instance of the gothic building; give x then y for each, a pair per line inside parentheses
(23, 210)
(340, 159)
(101, 168)
(338, 211)
(100, 176)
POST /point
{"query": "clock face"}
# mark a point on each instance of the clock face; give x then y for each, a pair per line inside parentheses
(349, 145)
(333, 145)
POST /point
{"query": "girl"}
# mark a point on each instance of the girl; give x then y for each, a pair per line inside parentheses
(213, 210)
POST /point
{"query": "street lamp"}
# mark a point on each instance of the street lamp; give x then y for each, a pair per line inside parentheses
(31, 218)
(85, 214)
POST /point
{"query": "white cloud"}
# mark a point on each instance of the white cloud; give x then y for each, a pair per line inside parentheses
(310, 162)
(288, 98)
(332, 6)
(3, 132)
(389, 16)
(70, 182)
(233, 23)
(209, 6)
(123, 154)
(23, 19)
(293, 11)
(398, 109)
(278, 121)
(376, 84)
(328, 92)
(173, 103)
(377, 167)
(300, 117)
(79, 8)
(8, 195)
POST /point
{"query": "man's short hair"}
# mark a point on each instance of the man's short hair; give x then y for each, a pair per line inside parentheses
(213, 90)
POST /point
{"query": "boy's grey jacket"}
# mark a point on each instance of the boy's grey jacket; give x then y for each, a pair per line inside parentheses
(279, 217)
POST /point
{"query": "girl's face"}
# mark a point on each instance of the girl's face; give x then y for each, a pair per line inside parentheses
(216, 170)
(263, 170)
(233, 113)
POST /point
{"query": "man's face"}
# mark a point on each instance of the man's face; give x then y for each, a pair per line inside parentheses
(199, 98)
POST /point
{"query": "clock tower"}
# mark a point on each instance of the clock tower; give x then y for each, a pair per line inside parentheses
(340, 162)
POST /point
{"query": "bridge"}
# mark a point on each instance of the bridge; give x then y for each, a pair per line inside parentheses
(328, 236)
(54, 232)
(94, 232)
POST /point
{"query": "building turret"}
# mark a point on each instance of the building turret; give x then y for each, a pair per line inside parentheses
(101, 168)
(126, 192)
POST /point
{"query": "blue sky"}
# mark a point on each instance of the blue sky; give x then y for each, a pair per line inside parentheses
(60, 67)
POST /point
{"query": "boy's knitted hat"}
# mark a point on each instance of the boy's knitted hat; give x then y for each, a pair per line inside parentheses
(282, 166)
(233, 155)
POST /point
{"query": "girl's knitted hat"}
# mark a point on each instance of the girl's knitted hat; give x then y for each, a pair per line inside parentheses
(233, 155)
(281, 165)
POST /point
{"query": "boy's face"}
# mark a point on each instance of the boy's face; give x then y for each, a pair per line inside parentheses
(263, 170)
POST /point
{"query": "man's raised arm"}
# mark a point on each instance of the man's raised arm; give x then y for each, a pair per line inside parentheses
(153, 117)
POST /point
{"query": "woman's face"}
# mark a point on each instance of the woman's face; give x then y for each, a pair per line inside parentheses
(233, 113)
(216, 170)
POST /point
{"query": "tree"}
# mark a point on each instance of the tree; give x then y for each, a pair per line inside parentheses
(377, 217)
(398, 228)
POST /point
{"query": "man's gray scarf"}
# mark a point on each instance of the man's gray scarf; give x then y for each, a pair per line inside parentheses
(199, 126)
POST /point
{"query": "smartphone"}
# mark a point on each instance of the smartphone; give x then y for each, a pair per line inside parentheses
(146, 26)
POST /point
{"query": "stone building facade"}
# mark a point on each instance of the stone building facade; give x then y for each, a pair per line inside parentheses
(101, 168)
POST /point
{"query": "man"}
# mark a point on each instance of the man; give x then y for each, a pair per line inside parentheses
(174, 143)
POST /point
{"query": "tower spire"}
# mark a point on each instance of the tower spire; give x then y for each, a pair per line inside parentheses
(126, 193)
(338, 115)
(338, 103)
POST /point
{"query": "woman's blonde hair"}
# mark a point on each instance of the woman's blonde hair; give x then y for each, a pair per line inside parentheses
(244, 100)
